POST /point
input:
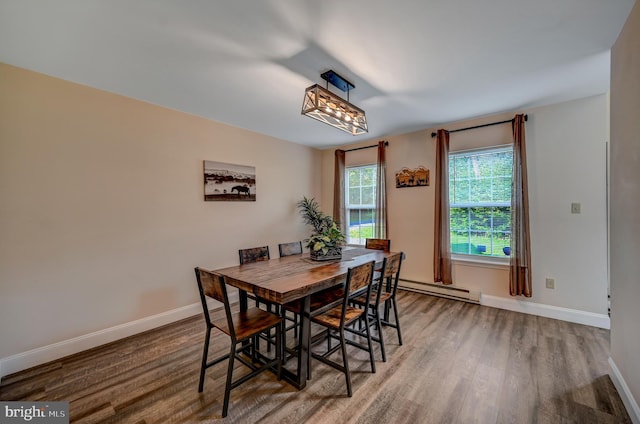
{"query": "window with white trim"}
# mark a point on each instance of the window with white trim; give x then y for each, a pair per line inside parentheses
(360, 202)
(480, 201)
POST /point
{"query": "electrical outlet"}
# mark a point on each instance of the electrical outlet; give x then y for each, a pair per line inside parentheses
(575, 208)
(551, 283)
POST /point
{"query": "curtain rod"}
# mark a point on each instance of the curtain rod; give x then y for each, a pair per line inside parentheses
(386, 143)
(526, 117)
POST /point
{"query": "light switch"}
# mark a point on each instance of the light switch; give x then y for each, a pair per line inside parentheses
(550, 283)
(575, 208)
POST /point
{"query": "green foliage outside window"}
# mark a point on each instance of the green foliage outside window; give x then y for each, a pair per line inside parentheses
(361, 202)
(480, 196)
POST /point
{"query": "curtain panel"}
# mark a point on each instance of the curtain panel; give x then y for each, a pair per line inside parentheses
(381, 226)
(442, 268)
(339, 213)
(520, 262)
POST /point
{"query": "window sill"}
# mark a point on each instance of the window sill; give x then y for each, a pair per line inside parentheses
(480, 261)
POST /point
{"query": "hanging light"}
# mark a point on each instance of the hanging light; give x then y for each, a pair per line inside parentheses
(321, 104)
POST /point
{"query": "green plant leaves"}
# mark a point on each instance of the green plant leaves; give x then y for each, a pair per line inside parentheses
(326, 234)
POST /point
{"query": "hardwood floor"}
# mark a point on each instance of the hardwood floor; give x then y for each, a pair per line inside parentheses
(460, 363)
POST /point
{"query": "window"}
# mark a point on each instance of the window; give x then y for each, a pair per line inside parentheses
(360, 202)
(480, 201)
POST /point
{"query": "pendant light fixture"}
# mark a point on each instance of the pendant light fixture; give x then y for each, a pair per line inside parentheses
(321, 104)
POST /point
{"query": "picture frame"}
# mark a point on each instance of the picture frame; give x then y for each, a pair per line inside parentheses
(229, 182)
(412, 177)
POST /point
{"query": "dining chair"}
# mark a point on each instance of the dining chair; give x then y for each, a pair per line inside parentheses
(290, 249)
(254, 254)
(378, 244)
(384, 291)
(240, 327)
(338, 319)
(319, 303)
(258, 254)
(389, 283)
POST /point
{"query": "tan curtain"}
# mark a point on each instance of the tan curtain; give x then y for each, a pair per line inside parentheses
(339, 214)
(380, 229)
(520, 262)
(442, 245)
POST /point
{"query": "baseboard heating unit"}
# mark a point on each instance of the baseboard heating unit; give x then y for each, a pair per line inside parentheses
(449, 292)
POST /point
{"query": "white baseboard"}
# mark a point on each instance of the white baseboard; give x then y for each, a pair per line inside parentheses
(625, 394)
(548, 311)
(31, 358)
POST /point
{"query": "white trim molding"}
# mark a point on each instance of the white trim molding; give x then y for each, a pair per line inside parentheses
(548, 311)
(625, 393)
(41, 355)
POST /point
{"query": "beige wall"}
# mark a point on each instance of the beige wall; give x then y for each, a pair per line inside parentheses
(566, 147)
(102, 217)
(625, 204)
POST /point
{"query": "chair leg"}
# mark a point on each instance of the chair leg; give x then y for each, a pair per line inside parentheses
(309, 366)
(205, 354)
(227, 388)
(368, 325)
(283, 338)
(387, 306)
(395, 312)
(279, 347)
(255, 348)
(308, 353)
(347, 374)
(269, 309)
(284, 331)
(380, 336)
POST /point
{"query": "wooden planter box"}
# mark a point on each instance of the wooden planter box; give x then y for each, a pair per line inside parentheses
(331, 255)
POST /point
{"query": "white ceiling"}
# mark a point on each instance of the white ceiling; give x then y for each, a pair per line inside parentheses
(415, 63)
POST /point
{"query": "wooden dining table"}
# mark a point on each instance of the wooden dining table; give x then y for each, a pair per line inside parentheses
(284, 280)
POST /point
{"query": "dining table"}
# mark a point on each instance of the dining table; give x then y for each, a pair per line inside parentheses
(292, 278)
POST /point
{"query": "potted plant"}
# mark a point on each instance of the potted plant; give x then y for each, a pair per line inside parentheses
(325, 243)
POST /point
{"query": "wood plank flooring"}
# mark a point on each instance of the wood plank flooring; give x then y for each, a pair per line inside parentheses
(460, 363)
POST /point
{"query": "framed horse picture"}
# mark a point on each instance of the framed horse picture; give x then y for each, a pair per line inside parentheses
(226, 181)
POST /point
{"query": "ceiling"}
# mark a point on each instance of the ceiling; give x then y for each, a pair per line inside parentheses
(415, 63)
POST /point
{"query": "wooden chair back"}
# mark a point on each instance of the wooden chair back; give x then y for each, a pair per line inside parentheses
(359, 277)
(254, 254)
(378, 244)
(212, 285)
(391, 272)
(359, 283)
(288, 249)
(393, 264)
